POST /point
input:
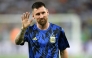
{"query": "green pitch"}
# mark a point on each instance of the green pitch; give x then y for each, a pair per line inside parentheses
(13, 56)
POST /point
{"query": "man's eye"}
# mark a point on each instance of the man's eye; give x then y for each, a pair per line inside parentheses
(38, 14)
(43, 12)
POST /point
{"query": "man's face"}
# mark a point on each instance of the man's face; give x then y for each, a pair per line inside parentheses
(41, 15)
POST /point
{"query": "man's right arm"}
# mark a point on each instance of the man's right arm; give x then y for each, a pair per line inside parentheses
(25, 23)
(20, 37)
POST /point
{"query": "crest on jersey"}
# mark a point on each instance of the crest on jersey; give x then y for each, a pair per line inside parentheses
(52, 39)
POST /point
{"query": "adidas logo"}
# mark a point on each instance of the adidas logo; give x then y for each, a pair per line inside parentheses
(34, 38)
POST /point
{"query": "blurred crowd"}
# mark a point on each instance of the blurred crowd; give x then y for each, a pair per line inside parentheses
(54, 6)
(81, 7)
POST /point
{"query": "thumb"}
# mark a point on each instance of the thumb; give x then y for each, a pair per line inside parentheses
(31, 20)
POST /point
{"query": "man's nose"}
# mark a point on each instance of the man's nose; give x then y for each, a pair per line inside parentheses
(41, 16)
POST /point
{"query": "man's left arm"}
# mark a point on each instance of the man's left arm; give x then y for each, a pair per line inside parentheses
(64, 54)
(63, 44)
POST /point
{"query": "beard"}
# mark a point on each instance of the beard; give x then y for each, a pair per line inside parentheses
(42, 21)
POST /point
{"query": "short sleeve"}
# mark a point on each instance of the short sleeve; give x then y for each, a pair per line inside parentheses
(63, 42)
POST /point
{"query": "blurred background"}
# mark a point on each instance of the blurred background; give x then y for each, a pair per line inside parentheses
(75, 16)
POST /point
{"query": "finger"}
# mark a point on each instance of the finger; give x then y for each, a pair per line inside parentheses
(27, 15)
(22, 17)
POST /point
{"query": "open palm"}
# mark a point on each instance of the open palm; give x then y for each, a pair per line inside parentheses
(25, 20)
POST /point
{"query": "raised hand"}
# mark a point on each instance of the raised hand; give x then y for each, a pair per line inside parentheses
(25, 20)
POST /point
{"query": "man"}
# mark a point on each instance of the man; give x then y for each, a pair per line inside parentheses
(44, 38)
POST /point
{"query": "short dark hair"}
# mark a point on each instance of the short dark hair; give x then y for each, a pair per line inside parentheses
(38, 5)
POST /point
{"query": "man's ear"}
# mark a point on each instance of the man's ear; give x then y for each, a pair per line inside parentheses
(33, 16)
(47, 11)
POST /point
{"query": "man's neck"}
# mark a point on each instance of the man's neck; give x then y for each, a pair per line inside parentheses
(43, 27)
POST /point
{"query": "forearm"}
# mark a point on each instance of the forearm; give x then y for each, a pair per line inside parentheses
(20, 37)
(64, 54)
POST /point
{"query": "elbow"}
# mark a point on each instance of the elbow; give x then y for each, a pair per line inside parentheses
(16, 42)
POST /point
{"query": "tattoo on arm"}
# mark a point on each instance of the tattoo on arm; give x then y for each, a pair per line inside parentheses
(20, 37)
